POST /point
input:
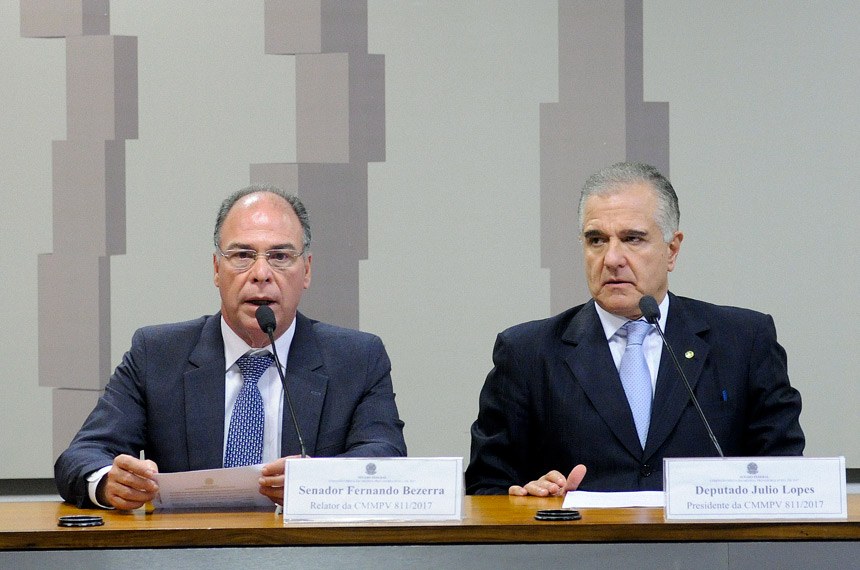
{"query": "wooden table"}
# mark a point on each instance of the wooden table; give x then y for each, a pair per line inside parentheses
(494, 529)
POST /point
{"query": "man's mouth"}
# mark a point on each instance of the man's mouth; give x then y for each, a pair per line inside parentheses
(260, 302)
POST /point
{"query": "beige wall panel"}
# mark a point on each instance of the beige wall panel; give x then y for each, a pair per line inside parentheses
(101, 87)
(89, 197)
(316, 26)
(322, 108)
(293, 26)
(336, 198)
(62, 18)
(284, 176)
(344, 26)
(74, 321)
(647, 122)
(367, 107)
(73, 407)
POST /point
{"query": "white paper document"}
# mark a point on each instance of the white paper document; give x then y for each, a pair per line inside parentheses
(233, 487)
(591, 500)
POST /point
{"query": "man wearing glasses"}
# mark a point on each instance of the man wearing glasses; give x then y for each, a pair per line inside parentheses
(206, 393)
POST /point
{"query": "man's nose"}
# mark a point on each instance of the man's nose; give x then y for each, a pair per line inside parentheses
(261, 270)
(615, 254)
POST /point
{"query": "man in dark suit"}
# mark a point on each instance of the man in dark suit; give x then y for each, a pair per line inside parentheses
(176, 391)
(555, 414)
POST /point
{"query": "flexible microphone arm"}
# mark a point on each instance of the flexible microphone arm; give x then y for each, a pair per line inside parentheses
(651, 312)
(266, 319)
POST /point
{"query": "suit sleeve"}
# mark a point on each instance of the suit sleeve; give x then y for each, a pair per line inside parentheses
(500, 435)
(773, 426)
(116, 425)
(376, 429)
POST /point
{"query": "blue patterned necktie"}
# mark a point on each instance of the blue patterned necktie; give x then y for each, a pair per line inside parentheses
(636, 378)
(245, 437)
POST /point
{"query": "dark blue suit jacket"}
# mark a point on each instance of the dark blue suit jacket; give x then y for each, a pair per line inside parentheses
(554, 399)
(167, 397)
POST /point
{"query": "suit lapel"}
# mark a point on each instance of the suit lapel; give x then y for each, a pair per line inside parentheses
(307, 383)
(204, 398)
(588, 356)
(683, 333)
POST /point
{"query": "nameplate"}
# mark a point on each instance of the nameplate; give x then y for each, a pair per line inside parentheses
(353, 489)
(755, 488)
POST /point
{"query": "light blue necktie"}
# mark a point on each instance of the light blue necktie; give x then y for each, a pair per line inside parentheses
(245, 437)
(636, 378)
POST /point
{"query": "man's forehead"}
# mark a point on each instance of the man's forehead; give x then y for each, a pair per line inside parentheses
(260, 207)
(624, 203)
(626, 191)
(261, 221)
(259, 200)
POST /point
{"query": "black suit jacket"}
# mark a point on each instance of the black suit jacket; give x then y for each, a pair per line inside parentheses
(167, 397)
(554, 399)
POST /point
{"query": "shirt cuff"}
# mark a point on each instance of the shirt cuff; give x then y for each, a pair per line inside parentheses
(93, 480)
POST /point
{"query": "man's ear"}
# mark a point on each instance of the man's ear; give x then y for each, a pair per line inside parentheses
(674, 249)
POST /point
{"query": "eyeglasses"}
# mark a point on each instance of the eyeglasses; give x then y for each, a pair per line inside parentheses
(243, 259)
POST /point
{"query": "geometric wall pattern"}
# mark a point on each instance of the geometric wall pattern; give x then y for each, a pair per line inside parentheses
(600, 118)
(443, 91)
(88, 203)
(340, 127)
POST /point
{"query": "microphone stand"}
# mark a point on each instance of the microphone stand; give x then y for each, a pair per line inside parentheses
(651, 312)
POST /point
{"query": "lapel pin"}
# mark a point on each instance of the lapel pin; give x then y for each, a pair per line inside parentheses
(689, 354)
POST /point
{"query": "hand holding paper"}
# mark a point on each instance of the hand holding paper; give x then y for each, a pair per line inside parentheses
(272, 479)
(129, 484)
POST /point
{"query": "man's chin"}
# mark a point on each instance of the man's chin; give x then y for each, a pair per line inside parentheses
(626, 305)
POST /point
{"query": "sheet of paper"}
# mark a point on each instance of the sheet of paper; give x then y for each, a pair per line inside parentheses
(591, 500)
(211, 488)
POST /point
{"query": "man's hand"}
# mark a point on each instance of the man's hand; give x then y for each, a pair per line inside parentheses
(551, 484)
(129, 484)
(272, 479)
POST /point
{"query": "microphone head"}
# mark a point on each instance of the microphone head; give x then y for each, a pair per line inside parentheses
(650, 309)
(266, 319)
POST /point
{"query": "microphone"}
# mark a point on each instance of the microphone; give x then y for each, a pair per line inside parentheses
(651, 312)
(267, 321)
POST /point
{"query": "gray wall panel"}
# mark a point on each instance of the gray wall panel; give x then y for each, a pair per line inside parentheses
(322, 107)
(293, 26)
(101, 79)
(89, 201)
(61, 18)
(74, 321)
(75, 406)
(366, 107)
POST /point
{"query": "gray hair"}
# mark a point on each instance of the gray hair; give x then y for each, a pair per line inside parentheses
(611, 178)
(292, 200)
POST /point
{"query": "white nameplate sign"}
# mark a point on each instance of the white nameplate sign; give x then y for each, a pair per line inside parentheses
(755, 488)
(352, 489)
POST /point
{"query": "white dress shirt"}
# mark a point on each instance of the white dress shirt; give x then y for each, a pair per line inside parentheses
(652, 346)
(269, 384)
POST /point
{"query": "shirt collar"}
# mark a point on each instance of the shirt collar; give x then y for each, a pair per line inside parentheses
(235, 347)
(611, 323)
